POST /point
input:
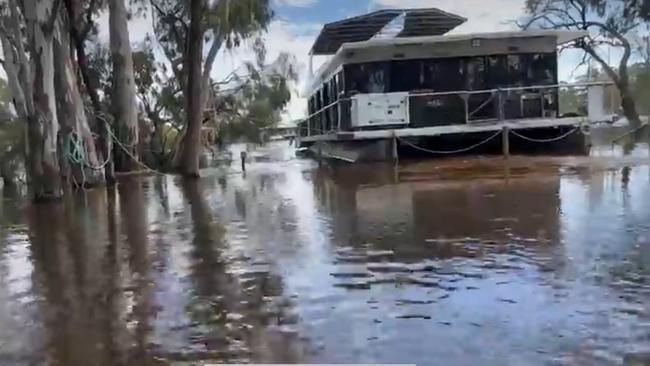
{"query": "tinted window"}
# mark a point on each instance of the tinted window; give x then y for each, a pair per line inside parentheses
(540, 69)
(445, 74)
(367, 78)
(476, 73)
(406, 76)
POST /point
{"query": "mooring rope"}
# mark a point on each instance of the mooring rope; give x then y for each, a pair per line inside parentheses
(553, 139)
(75, 152)
(643, 125)
(451, 151)
(128, 152)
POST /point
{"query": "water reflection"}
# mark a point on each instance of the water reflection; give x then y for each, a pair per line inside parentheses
(444, 261)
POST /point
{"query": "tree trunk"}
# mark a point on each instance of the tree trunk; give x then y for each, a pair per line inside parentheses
(80, 152)
(206, 90)
(123, 98)
(42, 125)
(627, 98)
(11, 66)
(629, 106)
(24, 70)
(186, 160)
(621, 79)
(8, 175)
(99, 123)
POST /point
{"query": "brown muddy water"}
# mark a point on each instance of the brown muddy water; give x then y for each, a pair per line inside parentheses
(460, 261)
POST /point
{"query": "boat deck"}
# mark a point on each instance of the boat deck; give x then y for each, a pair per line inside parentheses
(515, 124)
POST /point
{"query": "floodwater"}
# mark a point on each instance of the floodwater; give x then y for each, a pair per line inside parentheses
(460, 261)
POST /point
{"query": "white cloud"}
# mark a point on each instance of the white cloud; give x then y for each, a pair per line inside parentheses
(296, 3)
(139, 27)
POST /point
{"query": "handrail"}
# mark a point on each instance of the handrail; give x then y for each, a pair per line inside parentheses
(514, 88)
(463, 93)
(326, 107)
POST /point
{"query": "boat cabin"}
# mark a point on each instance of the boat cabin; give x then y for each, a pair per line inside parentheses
(417, 76)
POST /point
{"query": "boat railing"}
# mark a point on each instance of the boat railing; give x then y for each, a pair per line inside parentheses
(478, 106)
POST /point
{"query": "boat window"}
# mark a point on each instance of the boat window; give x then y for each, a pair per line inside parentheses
(515, 70)
(442, 75)
(541, 69)
(497, 75)
(407, 76)
(476, 73)
(325, 94)
(367, 78)
(318, 103)
(332, 89)
(339, 83)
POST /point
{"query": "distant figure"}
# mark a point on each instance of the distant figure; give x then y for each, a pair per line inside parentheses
(243, 155)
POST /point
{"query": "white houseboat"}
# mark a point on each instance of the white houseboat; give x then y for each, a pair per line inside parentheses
(396, 81)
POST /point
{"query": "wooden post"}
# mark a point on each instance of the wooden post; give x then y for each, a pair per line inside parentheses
(320, 156)
(500, 109)
(395, 150)
(242, 156)
(505, 142)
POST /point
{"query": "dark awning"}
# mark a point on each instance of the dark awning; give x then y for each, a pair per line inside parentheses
(417, 22)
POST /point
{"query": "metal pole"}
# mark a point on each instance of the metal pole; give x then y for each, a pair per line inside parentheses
(505, 142)
(395, 150)
(500, 105)
(320, 156)
(465, 97)
(242, 156)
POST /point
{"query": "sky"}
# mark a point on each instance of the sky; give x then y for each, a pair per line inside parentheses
(298, 22)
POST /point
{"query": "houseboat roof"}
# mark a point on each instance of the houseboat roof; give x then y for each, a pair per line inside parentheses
(384, 48)
(416, 23)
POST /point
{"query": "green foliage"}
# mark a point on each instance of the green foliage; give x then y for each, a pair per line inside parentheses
(640, 75)
(160, 96)
(574, 100)
(100, 69)
(246, 101)
(237, 20)
(257, 100)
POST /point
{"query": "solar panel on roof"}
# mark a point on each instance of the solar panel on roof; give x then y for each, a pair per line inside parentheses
(417, 22)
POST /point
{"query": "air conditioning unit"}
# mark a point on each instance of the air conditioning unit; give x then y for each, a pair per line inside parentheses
(389, 109)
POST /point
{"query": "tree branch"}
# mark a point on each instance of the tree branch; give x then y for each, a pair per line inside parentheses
(582, 62)
(173, 16)
(89, 19)
(608, 69)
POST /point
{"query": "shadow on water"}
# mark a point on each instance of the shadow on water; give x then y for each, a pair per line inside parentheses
(461, 261)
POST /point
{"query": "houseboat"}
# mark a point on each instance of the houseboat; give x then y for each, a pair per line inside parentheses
(396, 81)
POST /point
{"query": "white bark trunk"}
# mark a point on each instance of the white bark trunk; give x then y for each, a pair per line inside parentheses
(123, 98)
(11, 67)
(72, 114)
(24, 71)
(43, 126)
(206, 90)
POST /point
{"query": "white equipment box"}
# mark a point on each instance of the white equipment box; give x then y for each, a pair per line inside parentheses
(596, 103)
(380, 109)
